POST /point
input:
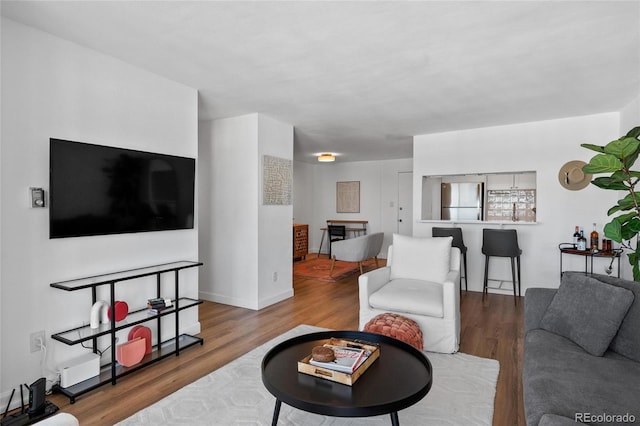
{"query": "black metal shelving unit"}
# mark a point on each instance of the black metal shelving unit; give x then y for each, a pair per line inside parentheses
(111, 372)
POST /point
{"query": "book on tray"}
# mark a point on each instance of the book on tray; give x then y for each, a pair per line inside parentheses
(347, 359)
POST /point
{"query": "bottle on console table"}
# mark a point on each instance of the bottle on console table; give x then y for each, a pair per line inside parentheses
(595, 239)
(576, 235)
(582, 241)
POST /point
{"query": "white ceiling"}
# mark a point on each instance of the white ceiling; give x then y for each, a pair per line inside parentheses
(360, 78)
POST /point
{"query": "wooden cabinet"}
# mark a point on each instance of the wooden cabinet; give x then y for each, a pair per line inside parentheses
(300, 241)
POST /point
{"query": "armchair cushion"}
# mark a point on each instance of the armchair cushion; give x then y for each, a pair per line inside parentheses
(410, 296)
(411, 254)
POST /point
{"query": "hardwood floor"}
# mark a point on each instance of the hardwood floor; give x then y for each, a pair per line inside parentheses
(492, 328)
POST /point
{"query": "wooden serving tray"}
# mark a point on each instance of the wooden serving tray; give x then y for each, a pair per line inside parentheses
(337, 376)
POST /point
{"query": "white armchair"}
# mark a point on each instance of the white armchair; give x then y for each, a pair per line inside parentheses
(420, 283)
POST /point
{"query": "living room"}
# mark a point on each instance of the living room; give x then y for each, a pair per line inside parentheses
(55, 88)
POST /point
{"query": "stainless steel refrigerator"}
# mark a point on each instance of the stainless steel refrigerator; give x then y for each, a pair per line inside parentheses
(462, 201)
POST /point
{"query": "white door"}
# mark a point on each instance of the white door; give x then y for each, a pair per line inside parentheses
(405, 203)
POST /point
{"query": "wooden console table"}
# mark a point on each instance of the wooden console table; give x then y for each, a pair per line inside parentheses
(353, 226)
(588, 257)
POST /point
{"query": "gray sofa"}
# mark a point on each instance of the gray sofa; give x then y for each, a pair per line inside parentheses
(582, 352)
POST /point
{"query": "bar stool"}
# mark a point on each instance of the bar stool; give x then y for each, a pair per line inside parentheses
(501, 243)
(458, 242)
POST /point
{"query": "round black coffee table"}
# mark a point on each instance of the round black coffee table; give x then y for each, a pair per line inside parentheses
(399, 378)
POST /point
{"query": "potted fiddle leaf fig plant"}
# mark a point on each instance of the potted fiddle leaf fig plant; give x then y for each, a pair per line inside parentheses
(616, 160)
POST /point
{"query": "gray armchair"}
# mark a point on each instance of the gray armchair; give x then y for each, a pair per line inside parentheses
(357, 249)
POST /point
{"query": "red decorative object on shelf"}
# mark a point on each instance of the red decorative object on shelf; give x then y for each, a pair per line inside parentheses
(121, 310)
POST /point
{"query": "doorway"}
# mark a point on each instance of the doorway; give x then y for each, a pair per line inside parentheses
(405, 203)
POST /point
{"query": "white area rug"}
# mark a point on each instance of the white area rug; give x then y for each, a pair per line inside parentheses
(462, 394)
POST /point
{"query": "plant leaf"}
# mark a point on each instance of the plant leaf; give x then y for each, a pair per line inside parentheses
(627, 202)
(613, 230)
(633, 260)
(633, 133)
(610, 182)
(592, 147)
(622, 148)
(634, 225)
(603, 163)
(627, 231)
(630, 160)
(623, 218)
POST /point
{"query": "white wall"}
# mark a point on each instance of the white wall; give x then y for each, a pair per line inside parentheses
(303, 199)
(378, 189)
(539, 146)
(630, 116)
(275, 231)
(245, 242)
(54, 88)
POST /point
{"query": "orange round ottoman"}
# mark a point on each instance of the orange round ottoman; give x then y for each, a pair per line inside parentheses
(398, 327)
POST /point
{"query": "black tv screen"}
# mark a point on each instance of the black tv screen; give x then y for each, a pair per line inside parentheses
(100, 190)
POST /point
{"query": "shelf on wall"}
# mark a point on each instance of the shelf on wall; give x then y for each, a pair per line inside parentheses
(165, 350)
(112, 371)
(84, 333)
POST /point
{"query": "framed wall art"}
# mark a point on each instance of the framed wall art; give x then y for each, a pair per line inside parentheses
(277, 179)
(348, 197)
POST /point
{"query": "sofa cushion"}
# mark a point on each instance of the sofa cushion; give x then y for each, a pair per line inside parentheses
(409, 296)
(421, 258)
(560, 378)
(627, 341)
(587, 311)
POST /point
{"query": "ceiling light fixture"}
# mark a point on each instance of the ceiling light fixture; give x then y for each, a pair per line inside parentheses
(326, 157)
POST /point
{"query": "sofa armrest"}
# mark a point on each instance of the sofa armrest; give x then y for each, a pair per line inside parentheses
(536, 302)
(371, 282)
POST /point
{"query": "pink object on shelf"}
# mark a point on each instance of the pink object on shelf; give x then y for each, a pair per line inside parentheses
(140, 331)
(131, 352)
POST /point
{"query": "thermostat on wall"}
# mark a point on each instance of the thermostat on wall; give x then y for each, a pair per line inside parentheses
(37, 197)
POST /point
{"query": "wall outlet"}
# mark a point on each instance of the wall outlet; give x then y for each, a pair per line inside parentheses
(35, 340)
(275, 277)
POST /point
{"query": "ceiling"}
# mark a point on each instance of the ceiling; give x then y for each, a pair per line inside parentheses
(361, 78)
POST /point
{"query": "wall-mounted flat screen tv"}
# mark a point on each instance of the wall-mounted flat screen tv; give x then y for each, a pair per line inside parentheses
(100, 190)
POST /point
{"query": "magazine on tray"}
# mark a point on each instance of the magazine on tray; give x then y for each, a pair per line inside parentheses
(347, 359)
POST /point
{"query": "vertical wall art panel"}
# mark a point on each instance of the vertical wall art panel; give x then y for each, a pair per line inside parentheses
(348, 197)
(277, 180)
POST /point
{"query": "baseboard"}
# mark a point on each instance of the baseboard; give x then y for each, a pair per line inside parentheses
(226, 300)
(192, 329)
(275, 299)
(244, 303)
